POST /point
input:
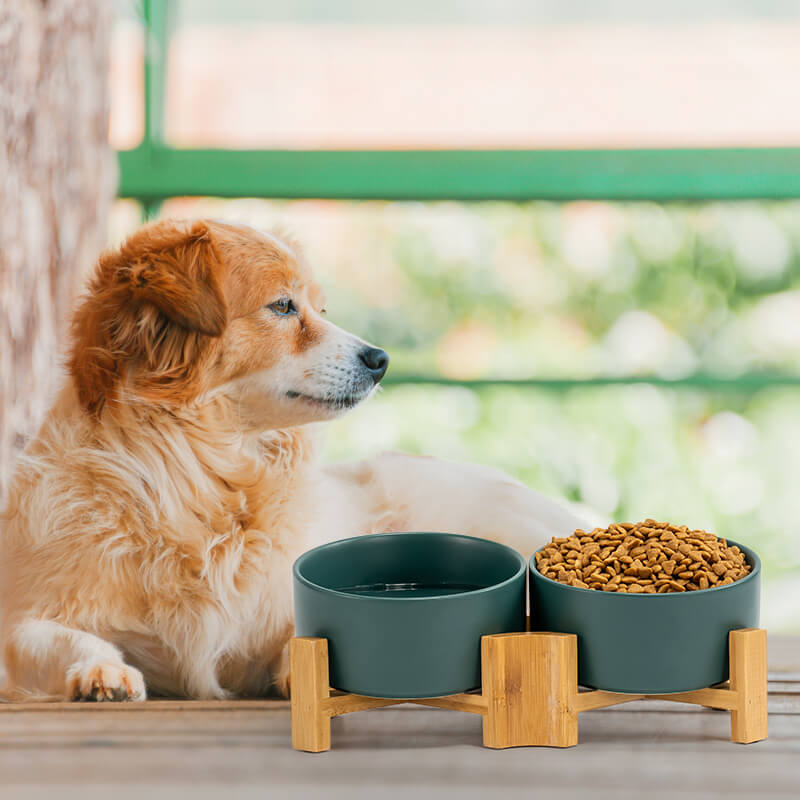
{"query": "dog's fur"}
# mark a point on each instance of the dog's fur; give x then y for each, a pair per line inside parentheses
(153, 521)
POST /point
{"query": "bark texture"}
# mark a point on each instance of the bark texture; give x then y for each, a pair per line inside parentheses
(58, 177)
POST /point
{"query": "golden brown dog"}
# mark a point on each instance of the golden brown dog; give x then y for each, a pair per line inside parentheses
(153, 521)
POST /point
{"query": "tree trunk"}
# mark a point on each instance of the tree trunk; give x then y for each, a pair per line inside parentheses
(58, 178)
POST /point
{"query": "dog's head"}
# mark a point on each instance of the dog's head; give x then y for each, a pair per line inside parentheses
(185, 310)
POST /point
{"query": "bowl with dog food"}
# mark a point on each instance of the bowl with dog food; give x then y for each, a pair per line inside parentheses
(651, 603)
(404, 613)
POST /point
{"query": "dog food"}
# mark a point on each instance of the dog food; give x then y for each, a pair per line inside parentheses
(643, 558)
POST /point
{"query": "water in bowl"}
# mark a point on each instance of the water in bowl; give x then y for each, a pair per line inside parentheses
(410, 589)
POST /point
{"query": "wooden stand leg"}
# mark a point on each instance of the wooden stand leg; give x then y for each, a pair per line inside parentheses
(748, 681)
(530, 681)
(311, 723)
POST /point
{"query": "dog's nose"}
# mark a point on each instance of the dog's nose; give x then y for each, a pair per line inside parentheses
(375, 360)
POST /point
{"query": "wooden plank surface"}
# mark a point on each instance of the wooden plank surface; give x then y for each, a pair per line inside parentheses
(243, 749)
(783, 656)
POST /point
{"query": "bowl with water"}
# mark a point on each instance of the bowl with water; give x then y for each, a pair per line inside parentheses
(404, 613)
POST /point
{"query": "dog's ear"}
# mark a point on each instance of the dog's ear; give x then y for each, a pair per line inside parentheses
(179, 271)
(148, 308)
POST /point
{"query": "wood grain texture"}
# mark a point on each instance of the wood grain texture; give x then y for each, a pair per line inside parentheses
(748, 671)
(242, 749)
(311, 724)
(348, 703)
(57, 182)
(400, 752)
(587, 701)
(123, 708)
(710, 698)
(471, 703)
(530, 681)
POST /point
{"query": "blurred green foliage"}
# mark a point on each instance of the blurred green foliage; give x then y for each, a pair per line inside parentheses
(579, 290)
(552, 287)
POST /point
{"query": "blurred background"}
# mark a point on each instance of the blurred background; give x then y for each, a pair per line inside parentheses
(583, 303)
(640, 358)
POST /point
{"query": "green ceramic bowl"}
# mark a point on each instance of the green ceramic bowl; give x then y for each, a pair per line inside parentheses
(648, 643)
(404, 613)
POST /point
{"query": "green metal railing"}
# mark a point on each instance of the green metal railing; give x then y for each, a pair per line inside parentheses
(154, 171)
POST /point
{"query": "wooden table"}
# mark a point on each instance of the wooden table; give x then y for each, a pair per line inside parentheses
(243, 749)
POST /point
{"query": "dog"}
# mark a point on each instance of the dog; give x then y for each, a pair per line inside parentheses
(152, 523)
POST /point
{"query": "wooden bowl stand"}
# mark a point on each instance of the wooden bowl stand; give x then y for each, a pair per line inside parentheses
(529, 691)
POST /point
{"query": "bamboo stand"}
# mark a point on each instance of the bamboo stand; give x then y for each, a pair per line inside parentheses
(529, 694)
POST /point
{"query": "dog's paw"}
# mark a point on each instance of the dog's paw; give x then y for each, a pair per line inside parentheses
(107, 680)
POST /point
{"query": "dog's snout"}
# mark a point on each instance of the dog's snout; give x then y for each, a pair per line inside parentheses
(375, 360)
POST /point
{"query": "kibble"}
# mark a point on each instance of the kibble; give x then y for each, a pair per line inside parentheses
(642, 558)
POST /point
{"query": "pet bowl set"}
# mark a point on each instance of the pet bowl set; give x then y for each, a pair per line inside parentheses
(439, 619)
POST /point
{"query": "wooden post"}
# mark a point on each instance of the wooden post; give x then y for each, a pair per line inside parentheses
(748, 680)
(530, 681)
(311, 723)
(58, 181)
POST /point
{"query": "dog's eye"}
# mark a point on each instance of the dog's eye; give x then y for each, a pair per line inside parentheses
(283, 307)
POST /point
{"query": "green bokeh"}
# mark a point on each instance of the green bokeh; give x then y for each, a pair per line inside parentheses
(579, 290)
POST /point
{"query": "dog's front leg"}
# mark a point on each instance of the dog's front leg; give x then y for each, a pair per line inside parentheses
(45, 657)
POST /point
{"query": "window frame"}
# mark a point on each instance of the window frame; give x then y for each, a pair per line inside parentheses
(154, 171)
